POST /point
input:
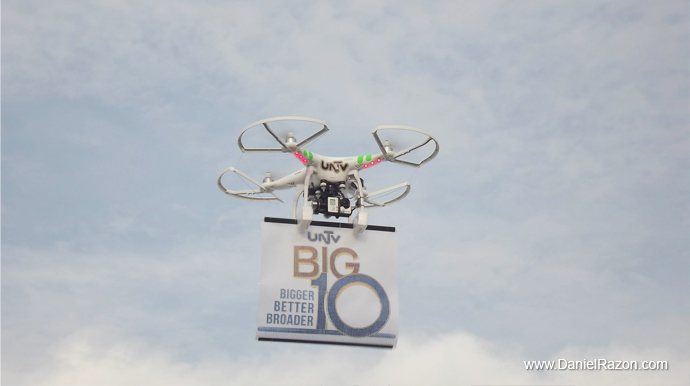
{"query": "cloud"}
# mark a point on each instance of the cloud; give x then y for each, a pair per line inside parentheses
(549, 222)
(90, 356)
(88, 315)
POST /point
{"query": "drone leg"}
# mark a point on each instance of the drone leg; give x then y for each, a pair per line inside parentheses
(362, 218)
(298, 191)
(307, 212)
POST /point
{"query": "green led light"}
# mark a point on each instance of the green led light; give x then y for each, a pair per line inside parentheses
(369, 157)
(360, 159)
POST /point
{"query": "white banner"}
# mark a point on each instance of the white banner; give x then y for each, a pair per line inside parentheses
(327, 285)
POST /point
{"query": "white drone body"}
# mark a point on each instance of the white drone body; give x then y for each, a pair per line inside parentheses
(331, 186)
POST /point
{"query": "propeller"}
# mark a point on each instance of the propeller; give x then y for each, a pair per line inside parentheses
(286, 140)
(392, 155)
(387, 147)
(374, 199)
(257, 194)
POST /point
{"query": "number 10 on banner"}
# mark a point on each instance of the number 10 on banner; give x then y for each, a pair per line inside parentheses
(343, 282)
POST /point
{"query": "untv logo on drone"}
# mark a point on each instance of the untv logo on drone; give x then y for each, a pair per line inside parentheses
(336, 166)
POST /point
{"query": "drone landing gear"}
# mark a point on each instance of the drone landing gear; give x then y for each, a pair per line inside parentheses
(305, 220)
(362, 218)
(307, 213)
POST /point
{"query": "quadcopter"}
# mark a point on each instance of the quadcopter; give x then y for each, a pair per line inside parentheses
(331, 186)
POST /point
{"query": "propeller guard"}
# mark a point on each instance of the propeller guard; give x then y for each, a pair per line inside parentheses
(369, 203)
(246, 194)
(394, 156)
(285, 146)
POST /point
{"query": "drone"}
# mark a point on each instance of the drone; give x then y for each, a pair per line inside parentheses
(330, 186)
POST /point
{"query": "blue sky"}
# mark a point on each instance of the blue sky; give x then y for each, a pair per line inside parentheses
(553, 223)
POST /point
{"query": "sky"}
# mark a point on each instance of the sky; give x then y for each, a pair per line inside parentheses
(553, 224)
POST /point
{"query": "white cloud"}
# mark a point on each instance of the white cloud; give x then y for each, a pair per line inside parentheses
(186, 316)
(90, 356)
(552, 216)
